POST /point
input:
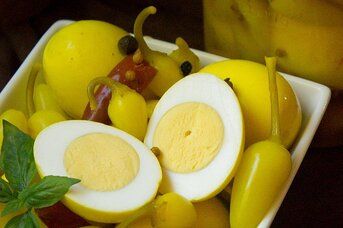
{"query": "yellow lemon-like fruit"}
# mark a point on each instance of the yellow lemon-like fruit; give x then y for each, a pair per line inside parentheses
(77, 54)
(250, 83)
(212, 213)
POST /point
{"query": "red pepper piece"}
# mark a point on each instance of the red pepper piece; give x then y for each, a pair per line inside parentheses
(143, 75)
(59, 215)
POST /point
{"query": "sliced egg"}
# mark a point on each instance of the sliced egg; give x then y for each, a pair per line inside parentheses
(118, 173)
(197, 127)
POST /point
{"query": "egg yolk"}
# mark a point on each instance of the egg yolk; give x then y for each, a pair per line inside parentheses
(101, 161)
(189, 137)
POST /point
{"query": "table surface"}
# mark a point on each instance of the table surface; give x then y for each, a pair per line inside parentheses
(315, 198)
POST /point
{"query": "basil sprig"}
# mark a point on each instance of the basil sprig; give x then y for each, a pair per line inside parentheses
(28, 219)
(16, 159)
(17, 162)
(6, 193)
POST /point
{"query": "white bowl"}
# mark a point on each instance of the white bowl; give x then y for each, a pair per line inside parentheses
(313, 98)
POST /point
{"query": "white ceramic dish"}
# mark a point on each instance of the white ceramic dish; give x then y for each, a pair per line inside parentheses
(312, 96)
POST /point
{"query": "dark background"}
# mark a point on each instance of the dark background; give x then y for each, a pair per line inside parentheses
(315, 198)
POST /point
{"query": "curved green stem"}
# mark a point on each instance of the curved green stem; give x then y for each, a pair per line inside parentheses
(138, 27)
(30, 88)
(110, 83)
(274, 101)
(145, 210)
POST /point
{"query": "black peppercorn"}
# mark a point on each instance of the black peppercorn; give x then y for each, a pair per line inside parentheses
(127, 45)
(186, 68)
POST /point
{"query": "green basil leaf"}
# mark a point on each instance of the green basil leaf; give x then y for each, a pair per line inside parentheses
(5, 192)
(12, 206)
(26, 220)
(17, 157)
(47, 192)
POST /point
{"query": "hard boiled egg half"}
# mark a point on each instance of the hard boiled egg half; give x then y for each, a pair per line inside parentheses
(197, 127)
(118, 173)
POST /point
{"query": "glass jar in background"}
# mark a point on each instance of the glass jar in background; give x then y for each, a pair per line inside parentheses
(306, 35)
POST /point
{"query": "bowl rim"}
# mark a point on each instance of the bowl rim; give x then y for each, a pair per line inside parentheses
(299, 148)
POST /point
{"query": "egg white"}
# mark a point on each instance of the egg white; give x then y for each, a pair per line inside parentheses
(109, 206)
(207, 89)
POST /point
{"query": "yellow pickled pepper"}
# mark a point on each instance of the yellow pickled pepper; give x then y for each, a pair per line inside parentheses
(127, 108)
(168, 70)
(265, 167)
(41, 105)
(44, 99)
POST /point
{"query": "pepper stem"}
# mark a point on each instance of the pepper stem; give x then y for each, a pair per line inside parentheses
(138, 27)
(181, 43)
(110, 83)
(274, 101)
(30, 88)
(145, 210)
